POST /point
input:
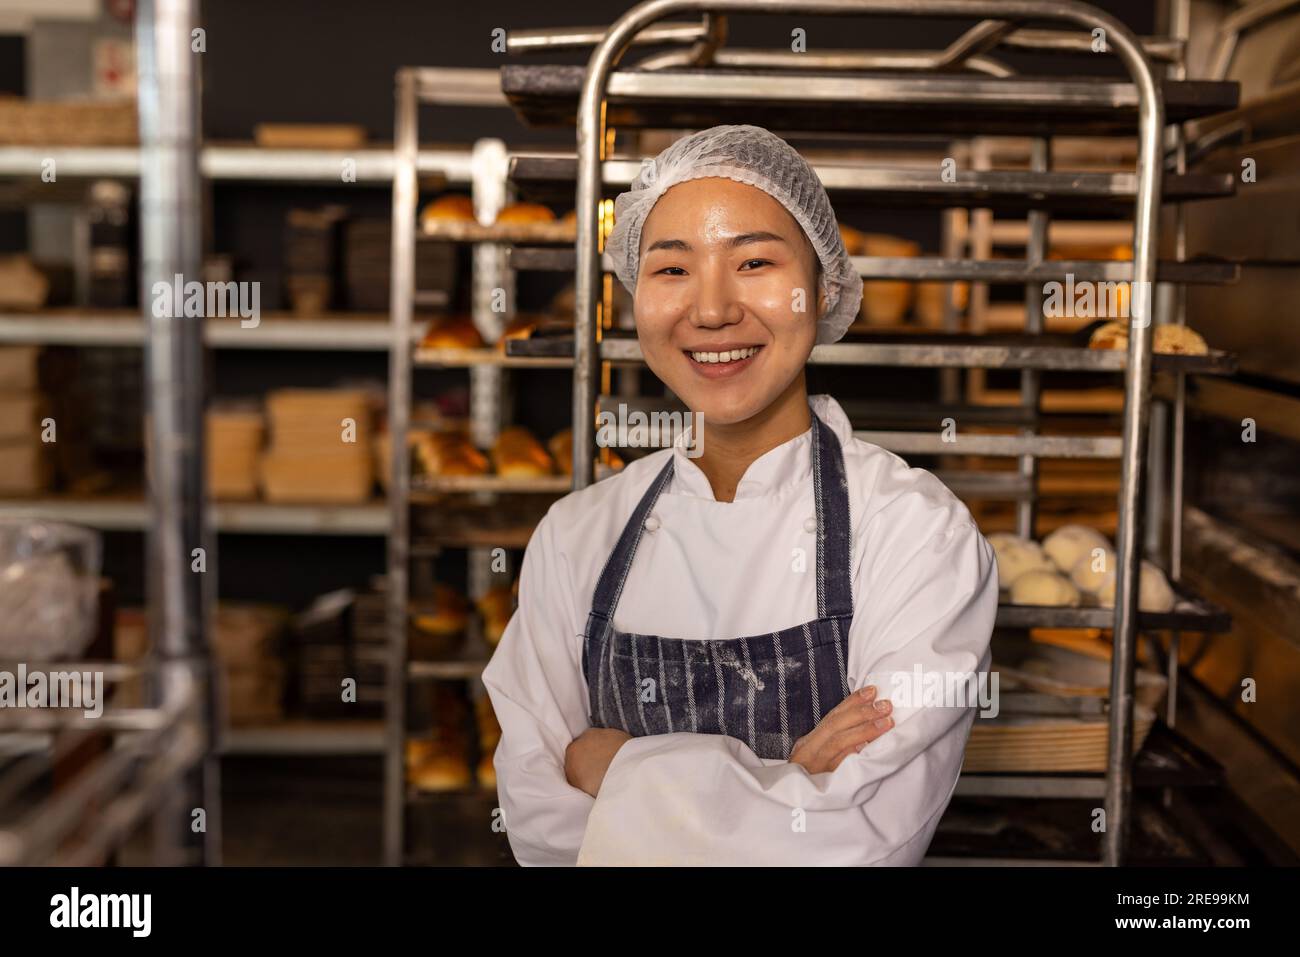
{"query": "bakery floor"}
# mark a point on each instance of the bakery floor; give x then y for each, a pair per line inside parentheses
(326, 812)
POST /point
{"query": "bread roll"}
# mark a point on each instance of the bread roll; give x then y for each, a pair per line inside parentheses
(455, 333)
(450, 612)
(452, 207)
(1112, 335)
(1165, 340)
(853, 239)
(443, 770)
(1015, 556)
(496, 606)
(526, 213)
(1179, 340)
(520, 327)
(560, 445)
(929, 301)
(1069, 543)
(449, 454)
(886, 301)
(1154, 591)
(516, 454)
(489, 730)
(1044, 588)
(1090, 572)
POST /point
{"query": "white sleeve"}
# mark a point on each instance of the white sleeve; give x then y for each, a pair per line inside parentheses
(928, 599)
(535, 682)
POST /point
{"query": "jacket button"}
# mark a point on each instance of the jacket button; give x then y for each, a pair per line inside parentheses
(810, 525)
(651, 523)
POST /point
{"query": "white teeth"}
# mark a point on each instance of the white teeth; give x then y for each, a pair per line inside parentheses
(732, 356)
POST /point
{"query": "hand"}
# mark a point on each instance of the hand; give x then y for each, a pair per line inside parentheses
(588, 757)
(853, 724)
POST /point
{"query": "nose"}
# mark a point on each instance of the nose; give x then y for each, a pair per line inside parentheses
(716, 303)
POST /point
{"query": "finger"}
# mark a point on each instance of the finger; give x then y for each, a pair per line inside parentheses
(854, 709)
(877, 729)
(865, 731)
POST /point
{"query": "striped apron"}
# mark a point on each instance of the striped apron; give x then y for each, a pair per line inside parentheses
(766, 690)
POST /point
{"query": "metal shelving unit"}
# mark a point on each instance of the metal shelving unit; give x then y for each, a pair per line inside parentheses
(74, 789)
(492, 273)
(604, 96)
(140, 756)
(369, 167)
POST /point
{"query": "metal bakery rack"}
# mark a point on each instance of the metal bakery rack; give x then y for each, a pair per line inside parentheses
(962, 90)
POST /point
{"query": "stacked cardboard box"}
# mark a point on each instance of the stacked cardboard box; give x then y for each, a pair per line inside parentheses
(234, 445)
(24, 457)
(320, 446)
(246, 645)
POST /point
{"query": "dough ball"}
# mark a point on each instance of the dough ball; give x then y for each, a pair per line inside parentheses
(1154, 591)
(1092, 570)
(1069, 543)
(1044, 588)
(1015, 556)
(1112, 335)
(1179, 340)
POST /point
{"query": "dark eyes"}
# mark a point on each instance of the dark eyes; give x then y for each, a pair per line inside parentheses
(748, 264)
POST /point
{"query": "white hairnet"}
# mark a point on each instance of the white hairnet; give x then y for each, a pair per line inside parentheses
(758, 158)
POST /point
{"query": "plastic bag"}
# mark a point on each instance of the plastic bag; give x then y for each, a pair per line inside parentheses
(49, 589)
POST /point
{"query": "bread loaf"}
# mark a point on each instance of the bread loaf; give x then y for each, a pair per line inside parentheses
(516, 454)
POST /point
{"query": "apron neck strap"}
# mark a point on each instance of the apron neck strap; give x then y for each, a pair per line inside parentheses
(830, 494)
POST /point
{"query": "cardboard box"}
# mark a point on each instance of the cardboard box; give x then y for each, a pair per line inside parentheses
(24, 467)
(21, 414)
(19, 368)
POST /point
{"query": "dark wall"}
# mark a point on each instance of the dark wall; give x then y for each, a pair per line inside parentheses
(333, 61)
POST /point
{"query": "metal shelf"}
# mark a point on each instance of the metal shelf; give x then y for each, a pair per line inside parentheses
(931, 351)
(347, 333)
(374, 165)
(259, 518)
(469, 358)
(304, 738)
(936, 268)
(1190, 614)
(965, 443)
(855, 102)
(912, 186)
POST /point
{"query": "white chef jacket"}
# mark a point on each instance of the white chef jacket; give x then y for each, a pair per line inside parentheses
(925, 592)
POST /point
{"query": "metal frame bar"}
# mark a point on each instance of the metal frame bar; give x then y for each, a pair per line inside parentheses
(415, 86)
(179, 601)
(591, 144)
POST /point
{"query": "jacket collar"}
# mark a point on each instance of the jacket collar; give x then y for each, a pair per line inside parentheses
(790, 463)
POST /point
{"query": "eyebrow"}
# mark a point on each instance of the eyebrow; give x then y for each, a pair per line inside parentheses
(744, 239)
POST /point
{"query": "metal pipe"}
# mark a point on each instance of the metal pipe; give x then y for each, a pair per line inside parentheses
(1137, 379)
(179, 599)
(402, 304)
(743, 58)
(1030, 379)
(1164, 49)
(577, 38)
(981, 38)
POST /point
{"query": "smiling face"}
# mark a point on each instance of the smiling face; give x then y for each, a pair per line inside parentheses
(726, 273)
